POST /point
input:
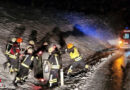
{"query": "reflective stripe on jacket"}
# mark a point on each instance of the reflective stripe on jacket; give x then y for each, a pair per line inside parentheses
(9, 46)
(27, 61)
(13, 56)
(55, 66)
(25, 65)
(78, 58)
(53, 80)
(54, 61)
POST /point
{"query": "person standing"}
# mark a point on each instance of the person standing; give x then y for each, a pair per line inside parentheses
(55, 61)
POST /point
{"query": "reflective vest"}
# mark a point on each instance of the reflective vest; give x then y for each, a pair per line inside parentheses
(74, 54)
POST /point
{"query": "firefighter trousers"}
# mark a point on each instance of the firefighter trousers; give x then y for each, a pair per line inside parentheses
(22, 74)
(54, 76)
(12, 63)
(80, 63)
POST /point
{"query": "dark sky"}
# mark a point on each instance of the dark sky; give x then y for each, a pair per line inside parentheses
(88, 6)
(76, 4)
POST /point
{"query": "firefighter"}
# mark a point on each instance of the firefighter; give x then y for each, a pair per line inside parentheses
(31, 44)
(43, 48)
(9, 45)
(55, 61)
(41, 58)
(75, 55)
(45, 55)
(25, 67)
(22, 51)
(13, 57)
(7, 51)
(42, 52)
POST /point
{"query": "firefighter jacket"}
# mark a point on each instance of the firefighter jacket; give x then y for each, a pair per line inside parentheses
(9, 46)
(27, 62)
(31, 46)
(74, 54)
(12, 50)
(55, 61)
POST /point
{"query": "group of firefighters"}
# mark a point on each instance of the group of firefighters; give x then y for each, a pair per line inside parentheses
(20, 60)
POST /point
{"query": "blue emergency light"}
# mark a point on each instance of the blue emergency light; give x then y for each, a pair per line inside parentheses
(126, 28)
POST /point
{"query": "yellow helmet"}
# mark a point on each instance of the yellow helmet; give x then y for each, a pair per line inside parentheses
(31, 42)
(70, 45)
(13, 39)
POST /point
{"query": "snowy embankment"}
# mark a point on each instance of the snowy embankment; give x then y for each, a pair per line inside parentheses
(94, 79)
(44, 22)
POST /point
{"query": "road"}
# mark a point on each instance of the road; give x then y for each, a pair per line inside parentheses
(112, 75)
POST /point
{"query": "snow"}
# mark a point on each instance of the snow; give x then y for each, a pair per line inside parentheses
(44, 23)
(99, 79)
(86, 80)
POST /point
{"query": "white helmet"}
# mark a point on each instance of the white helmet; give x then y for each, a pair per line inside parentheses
(45, 43)
(13, 39)
(30, 50)
(31, 42)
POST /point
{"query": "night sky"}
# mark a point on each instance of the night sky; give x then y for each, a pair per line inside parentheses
(86, 6)
(76, 4)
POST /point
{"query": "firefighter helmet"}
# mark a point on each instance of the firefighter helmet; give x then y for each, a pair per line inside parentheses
(69, 45)
(45, 43)
(51, 48)
(19, 40)
(30, 50)
(13, 39)
(31, 42)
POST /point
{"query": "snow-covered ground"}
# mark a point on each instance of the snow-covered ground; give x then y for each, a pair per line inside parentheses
(98, 77)
(45, 21)
(84, 81)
